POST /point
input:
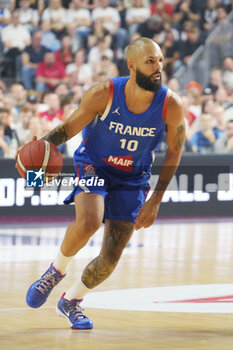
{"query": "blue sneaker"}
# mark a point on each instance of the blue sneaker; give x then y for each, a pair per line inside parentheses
(74, 313)
(39, 291)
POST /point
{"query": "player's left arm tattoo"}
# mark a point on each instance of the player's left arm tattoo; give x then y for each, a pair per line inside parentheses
(57, 136)
(161, 186)
(115, 240)
(179, 138)
(176, 140)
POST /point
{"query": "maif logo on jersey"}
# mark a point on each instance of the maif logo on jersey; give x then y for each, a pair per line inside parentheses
(124, 163)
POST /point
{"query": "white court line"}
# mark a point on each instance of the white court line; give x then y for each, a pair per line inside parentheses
(24, 308)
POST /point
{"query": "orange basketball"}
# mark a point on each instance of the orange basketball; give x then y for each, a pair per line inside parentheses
(38, 155)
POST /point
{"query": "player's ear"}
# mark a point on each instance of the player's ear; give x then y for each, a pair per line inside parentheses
(130, 65)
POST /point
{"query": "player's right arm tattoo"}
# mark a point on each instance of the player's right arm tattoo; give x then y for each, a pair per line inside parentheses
(57, 136)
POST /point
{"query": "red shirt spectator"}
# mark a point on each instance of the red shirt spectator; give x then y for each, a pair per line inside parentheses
(54, 108)
(162, 9)
(49, 117)
(50, 71)
(65, 55)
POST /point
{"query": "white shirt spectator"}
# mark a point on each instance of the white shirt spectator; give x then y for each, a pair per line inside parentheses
(108, 15)
(29, 16)
(130, 3)
(95, 54)
(53, 15)
(73, 15)
(17, 36)
(134, 13)
(84, 72)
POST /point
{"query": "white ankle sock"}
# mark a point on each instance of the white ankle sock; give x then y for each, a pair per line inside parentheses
(77, 291)
(61, 262)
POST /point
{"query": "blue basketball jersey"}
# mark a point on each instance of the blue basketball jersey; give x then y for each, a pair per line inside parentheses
(120, 141)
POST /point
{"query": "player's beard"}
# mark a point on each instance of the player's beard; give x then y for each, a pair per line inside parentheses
(145, 82)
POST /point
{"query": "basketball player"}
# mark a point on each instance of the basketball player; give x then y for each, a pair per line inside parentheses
(123, 122)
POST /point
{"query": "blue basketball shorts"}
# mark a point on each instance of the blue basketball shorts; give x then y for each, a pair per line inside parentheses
(122, 200)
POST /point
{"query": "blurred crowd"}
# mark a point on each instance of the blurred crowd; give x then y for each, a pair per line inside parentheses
(54, 50)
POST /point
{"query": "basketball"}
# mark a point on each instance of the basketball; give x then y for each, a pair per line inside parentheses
(40, 154)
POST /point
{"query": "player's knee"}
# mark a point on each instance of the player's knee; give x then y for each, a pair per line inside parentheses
(89, 224)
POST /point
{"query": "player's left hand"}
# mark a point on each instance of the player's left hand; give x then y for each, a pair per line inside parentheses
(147, 215)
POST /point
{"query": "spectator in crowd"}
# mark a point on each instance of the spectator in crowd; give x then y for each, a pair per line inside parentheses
(21, 126)
(222, 44)
(28, 16)
(18, 94)
(221, 98)
(32, 103)
(102, 48)
(174, 85)
(4, 118)
(32, 55)
(192, 43)
(105, 67)
(65, 55)
(35, 127)
(209, 15)
(162, 8)
(184, 11)
(49, 39)
(216, 81)
(228, 73)
(49, 73)
(54, 113)
(218, 117)
(194, 90)
(77, 92)
(188, 48)
(151, 27)
(81, 18)
(4, 142)
(56, 14)
(221, 15)
(15, 38)
(190, 118)
(165, 29)
(112, 23)
(203, 140)
(207, 95)
(227, 4)
(225, 143)
(135, 15)
(62, 90)
(79, 72)
(98, 32)
(76, 42)
(129, 3)
(170, 49)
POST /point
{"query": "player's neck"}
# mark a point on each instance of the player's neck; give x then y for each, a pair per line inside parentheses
(134, 92)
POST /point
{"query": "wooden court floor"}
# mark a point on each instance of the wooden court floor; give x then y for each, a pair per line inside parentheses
(185, 270)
